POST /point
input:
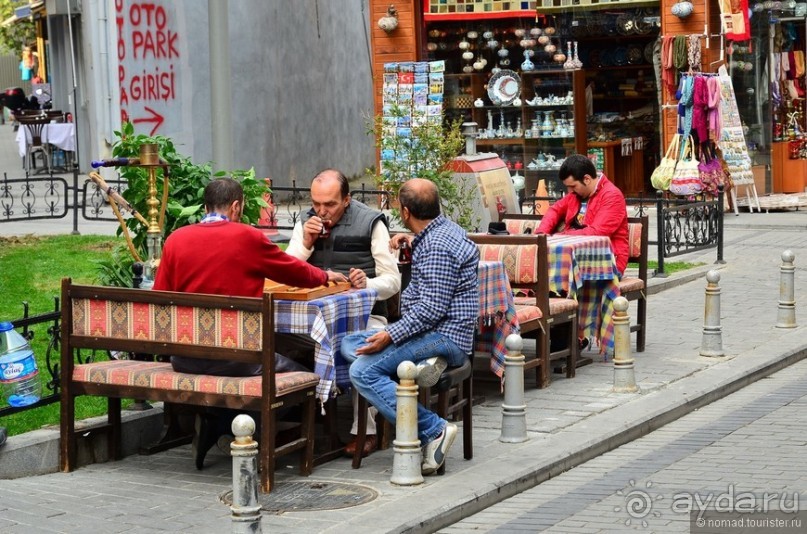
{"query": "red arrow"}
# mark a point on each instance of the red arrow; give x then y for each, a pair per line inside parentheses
(156, 118)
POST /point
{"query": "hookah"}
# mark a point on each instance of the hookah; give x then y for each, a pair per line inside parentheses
(150, 160)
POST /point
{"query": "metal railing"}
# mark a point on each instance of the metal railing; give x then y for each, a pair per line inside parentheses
(682, 225)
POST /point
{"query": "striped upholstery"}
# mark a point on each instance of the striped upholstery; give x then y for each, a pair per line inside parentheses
(558, 306)
(212, 327)
(634, 240)
(519, 260)
(520, 226)
(527, 313)
(162, 376)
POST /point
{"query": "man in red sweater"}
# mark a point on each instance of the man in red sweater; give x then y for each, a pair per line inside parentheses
(220, 256)
(592, 206)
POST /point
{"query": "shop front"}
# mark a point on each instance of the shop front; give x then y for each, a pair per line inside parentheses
(547, 78)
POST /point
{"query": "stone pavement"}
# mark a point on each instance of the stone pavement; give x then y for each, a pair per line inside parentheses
(569, 423)
(745, 450)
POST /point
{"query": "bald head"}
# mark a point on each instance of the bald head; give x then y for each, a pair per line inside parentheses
(421, 198)
(329, 176)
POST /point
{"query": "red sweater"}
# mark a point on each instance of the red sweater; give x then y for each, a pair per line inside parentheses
(225, 258)
(606, 214)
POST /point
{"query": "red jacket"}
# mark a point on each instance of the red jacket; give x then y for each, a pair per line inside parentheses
(226, 258)
(606, 214)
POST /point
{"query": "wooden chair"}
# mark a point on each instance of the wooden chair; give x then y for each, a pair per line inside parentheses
(34, 143)
(451, 396)
(636, 288)
(525, 259)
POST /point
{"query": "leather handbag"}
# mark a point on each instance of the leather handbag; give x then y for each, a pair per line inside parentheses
(686, 180)
(663, 174)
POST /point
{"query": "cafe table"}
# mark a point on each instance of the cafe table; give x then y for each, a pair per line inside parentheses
(327, 319)
(497, 313)
(584, 268)
(59, 134)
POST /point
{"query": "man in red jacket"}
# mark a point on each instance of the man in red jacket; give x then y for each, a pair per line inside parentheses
(592, 206)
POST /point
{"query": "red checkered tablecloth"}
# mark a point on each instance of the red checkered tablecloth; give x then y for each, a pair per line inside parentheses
(497, 313)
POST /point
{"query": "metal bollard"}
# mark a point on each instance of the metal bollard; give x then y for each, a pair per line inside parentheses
(246, 512)
(624, 377)
(786, 318)
(712, 341)
(407, 455)
(514, 408)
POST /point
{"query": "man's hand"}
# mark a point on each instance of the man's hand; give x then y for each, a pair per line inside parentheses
(395, 241)
(375, 343)
(358, 278)
(336, 277)
(312, 229)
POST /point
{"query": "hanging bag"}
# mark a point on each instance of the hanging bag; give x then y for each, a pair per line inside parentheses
(711, 172)
(663, 174)
(686, 180)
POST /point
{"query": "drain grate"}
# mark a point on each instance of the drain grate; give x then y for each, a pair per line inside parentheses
(311, 495)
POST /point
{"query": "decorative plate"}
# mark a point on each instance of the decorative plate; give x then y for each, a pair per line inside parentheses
(504, 87)
(620, 56)
(635, 54)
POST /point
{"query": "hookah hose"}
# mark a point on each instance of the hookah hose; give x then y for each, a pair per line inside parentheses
(116, 199)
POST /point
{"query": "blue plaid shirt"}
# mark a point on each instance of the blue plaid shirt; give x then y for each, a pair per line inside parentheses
(443, 294)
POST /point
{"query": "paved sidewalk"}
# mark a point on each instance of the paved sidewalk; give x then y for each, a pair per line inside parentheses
(568, 423)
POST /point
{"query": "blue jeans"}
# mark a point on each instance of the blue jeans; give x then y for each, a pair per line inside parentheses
(372, 374)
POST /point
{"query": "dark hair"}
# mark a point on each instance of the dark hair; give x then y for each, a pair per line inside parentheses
(577, 166)
(222, 192)
(422, 202)
(344, 186)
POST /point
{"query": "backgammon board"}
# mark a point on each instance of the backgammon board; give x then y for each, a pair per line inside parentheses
(286, 292)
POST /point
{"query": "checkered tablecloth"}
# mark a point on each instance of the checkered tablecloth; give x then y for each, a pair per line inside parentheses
(327, 320)
(584, 267)
(497, 313)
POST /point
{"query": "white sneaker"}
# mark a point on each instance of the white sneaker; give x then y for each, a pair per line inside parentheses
(429, 371)
(435, 452)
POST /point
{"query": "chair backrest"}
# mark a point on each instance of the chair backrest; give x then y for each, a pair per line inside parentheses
(163, 322)
(34, 127)
(55, 115)
(520, 223)
(525, 260)
(638, 236)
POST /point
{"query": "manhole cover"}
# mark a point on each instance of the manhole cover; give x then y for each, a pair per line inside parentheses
(310, 495)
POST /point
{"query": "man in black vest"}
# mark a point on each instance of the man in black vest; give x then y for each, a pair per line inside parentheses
(345, 236)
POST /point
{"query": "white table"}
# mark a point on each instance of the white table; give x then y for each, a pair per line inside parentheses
(59, 134)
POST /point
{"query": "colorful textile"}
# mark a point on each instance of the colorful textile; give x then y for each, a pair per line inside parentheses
(497, 313)
(162, 376)
(584, 267)
(327, 320)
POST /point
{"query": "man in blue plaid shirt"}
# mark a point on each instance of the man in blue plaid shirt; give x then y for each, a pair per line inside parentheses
(439, 309)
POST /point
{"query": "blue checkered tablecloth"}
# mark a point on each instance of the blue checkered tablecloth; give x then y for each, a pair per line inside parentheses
(327, 320)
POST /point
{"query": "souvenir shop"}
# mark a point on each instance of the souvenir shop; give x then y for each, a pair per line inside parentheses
(621, 81)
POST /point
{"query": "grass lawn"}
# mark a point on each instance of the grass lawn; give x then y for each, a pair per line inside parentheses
(31, 269)
(671, 267)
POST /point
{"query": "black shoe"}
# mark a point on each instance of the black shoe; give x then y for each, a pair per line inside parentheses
(203, 439)
(3, 436)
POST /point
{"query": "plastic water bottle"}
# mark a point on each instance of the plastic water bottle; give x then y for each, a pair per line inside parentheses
(19, 375)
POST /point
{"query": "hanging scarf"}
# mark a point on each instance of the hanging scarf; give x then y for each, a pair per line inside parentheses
(694, 52)
(713, 107)
(686, 101)
(668, 76)
(700, 101)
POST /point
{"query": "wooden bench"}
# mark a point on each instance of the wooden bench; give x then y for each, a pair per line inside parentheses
(96, 319)
(526, 262)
